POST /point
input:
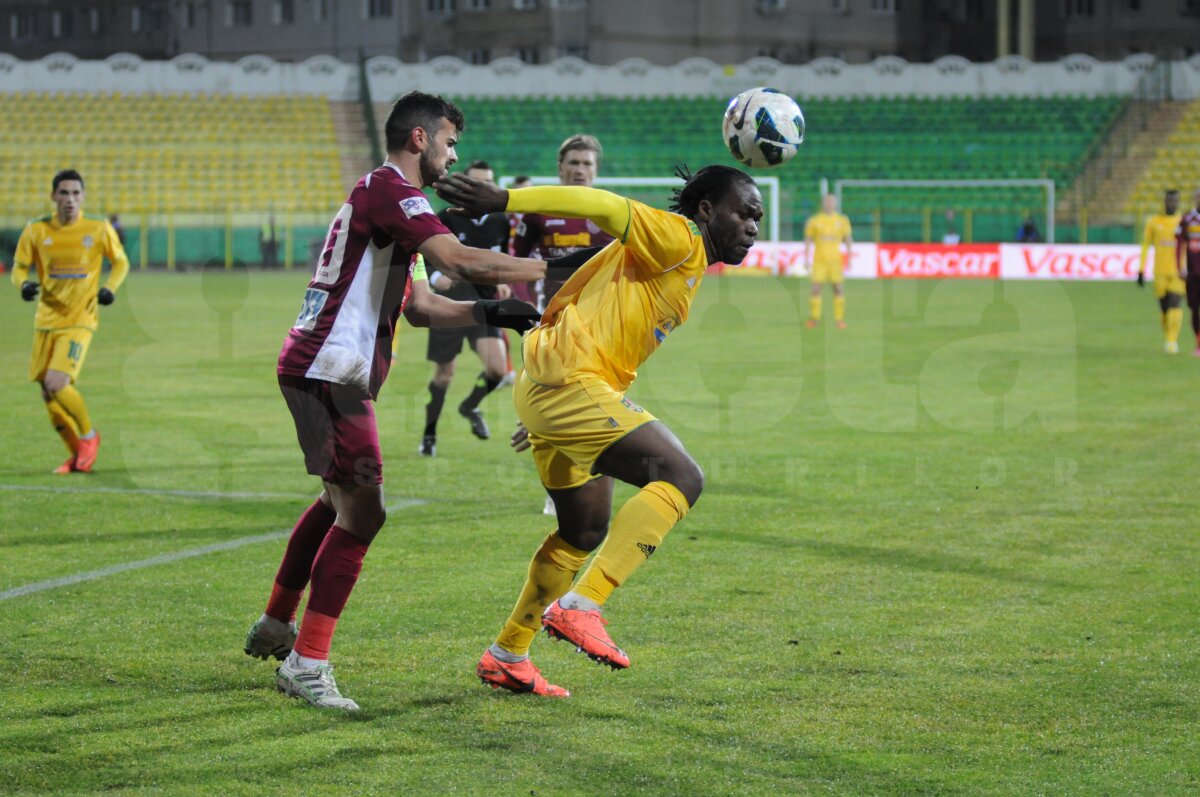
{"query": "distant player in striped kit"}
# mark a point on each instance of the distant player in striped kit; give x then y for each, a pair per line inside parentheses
(1187, 253)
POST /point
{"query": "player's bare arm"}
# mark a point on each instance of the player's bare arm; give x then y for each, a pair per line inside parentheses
(482, 266)
(427, 309)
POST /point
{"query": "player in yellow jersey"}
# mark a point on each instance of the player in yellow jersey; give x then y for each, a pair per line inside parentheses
(1169, 286)
(611, 315)
(67, 250)
(826, 231)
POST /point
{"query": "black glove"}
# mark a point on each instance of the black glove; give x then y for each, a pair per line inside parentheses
(560, 269)
(105, 296)
(29, 290)
(1141, 280)
(508, 313)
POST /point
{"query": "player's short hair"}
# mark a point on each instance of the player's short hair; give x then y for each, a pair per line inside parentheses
(418, 109)
(482, 166)
(1172, 191)
(66, 174)
(581, 141)
(711, 183)
(525, 178)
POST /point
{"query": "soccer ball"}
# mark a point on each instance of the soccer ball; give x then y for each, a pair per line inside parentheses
(763, 127)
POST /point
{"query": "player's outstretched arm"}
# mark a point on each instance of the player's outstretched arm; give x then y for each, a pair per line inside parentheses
(447, 254)
(475, 198)
(427, 309)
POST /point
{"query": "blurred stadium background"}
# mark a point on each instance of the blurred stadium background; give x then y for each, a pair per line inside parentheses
(200, 122)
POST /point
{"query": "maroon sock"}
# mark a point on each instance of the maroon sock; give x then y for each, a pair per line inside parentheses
(335, 570)
(302, 548)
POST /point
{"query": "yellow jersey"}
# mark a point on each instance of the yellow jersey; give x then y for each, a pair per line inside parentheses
(619, 307)
(68, 259)
(1160, 233)
(827, 231)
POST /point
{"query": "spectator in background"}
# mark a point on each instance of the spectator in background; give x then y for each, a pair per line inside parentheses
(115, 221)
(1028, 232)
(951, 236)
(268, 243)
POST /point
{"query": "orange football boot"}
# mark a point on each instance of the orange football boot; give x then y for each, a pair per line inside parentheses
(68, 466)
(584, 630)
(86, 456)
(520, 676)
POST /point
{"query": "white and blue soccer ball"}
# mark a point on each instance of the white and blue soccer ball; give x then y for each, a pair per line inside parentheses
(763, 127)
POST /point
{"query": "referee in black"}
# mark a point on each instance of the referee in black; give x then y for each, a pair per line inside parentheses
(489, 232)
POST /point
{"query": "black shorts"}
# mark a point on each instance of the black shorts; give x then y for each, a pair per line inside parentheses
(1193, 290)
(446, 344)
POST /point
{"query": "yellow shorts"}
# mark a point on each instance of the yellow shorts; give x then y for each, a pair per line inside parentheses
(571, 426)
(59, 350)
(1168, 283)
(828, 272)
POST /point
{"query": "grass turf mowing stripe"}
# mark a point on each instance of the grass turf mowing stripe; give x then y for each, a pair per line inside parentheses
(167, 558)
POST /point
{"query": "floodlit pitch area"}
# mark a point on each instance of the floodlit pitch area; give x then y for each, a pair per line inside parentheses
(951, 549)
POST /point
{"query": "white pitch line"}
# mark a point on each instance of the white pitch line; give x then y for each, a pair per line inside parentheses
(45, 488)
(162, 559)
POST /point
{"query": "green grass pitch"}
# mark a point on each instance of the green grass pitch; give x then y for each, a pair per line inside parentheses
(950, 550)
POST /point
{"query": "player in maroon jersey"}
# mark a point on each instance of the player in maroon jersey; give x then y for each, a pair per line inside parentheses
(334, 360)
(549, 237)
(1187, 251)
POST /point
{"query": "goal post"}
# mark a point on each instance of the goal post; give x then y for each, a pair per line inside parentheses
(1046, 185)
(639, 188)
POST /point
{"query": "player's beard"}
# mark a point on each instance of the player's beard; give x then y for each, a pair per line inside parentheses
(430, 172)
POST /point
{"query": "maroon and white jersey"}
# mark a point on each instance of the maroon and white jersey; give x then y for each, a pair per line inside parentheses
(345, 328)
(548, 237)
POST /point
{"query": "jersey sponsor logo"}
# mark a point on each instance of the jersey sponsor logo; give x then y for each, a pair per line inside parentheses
(629, 405)
(931, 261)
(580, 240)
(48, 242)
(68, 271)
(416, 206)
(314, 302)
(556, 222)
(88, 242)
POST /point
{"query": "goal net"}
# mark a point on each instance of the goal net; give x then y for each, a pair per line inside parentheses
(932, 210)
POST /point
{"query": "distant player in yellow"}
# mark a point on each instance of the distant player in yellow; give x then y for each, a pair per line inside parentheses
(68, 251)
(1169, 286)
(826, 231)
(611, 315)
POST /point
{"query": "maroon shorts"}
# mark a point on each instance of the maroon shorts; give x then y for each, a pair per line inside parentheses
(335, 425)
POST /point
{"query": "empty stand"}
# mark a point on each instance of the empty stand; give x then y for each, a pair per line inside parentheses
(182, 153)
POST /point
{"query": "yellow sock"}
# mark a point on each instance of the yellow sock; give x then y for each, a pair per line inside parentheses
(550, 575)
(637, 530)
(839, 308)
(71, 400)
(814, 308)
(1174, 321)
(64, 424)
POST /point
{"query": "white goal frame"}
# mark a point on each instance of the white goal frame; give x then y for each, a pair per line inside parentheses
(1046, 184)
(771, 184)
